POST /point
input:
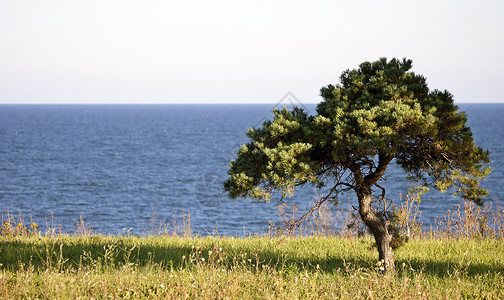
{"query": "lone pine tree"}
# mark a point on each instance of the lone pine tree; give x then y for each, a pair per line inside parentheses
(378, 113)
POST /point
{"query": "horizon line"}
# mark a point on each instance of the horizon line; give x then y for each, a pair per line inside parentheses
(201, 103)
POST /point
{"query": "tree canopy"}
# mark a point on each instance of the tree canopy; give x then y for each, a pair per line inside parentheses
(379, 112)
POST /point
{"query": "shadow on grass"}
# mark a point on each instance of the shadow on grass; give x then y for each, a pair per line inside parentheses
(97, 253)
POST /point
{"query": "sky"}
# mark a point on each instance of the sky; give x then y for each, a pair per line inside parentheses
(220, 51)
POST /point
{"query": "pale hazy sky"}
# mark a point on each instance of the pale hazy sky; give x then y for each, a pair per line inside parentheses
(196, 51)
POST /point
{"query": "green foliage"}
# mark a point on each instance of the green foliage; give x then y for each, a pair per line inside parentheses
(380, 112)
(277, 157)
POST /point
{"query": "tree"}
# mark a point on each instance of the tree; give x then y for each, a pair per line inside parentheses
(379, 112)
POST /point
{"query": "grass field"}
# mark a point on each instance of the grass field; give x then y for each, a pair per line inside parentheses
(462, 257)
(104, 267)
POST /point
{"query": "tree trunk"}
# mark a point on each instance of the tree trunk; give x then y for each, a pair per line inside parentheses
(385, 254)
(379, 229)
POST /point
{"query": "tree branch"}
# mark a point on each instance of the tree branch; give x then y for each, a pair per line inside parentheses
(383, 161)
(319, 204)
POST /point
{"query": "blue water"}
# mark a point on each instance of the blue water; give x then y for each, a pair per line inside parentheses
(119, 165)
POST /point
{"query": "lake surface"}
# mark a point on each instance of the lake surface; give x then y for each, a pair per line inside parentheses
(117, 166)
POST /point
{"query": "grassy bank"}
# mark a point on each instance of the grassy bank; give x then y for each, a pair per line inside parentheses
(213, 267)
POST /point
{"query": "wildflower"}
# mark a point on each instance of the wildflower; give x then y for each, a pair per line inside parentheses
(33, 225)
(210, 253)
(19, 225)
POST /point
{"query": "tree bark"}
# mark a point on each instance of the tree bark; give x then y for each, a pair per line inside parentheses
(379, 229)
(378, 226)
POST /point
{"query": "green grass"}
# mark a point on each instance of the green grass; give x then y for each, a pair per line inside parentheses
(260, 268)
